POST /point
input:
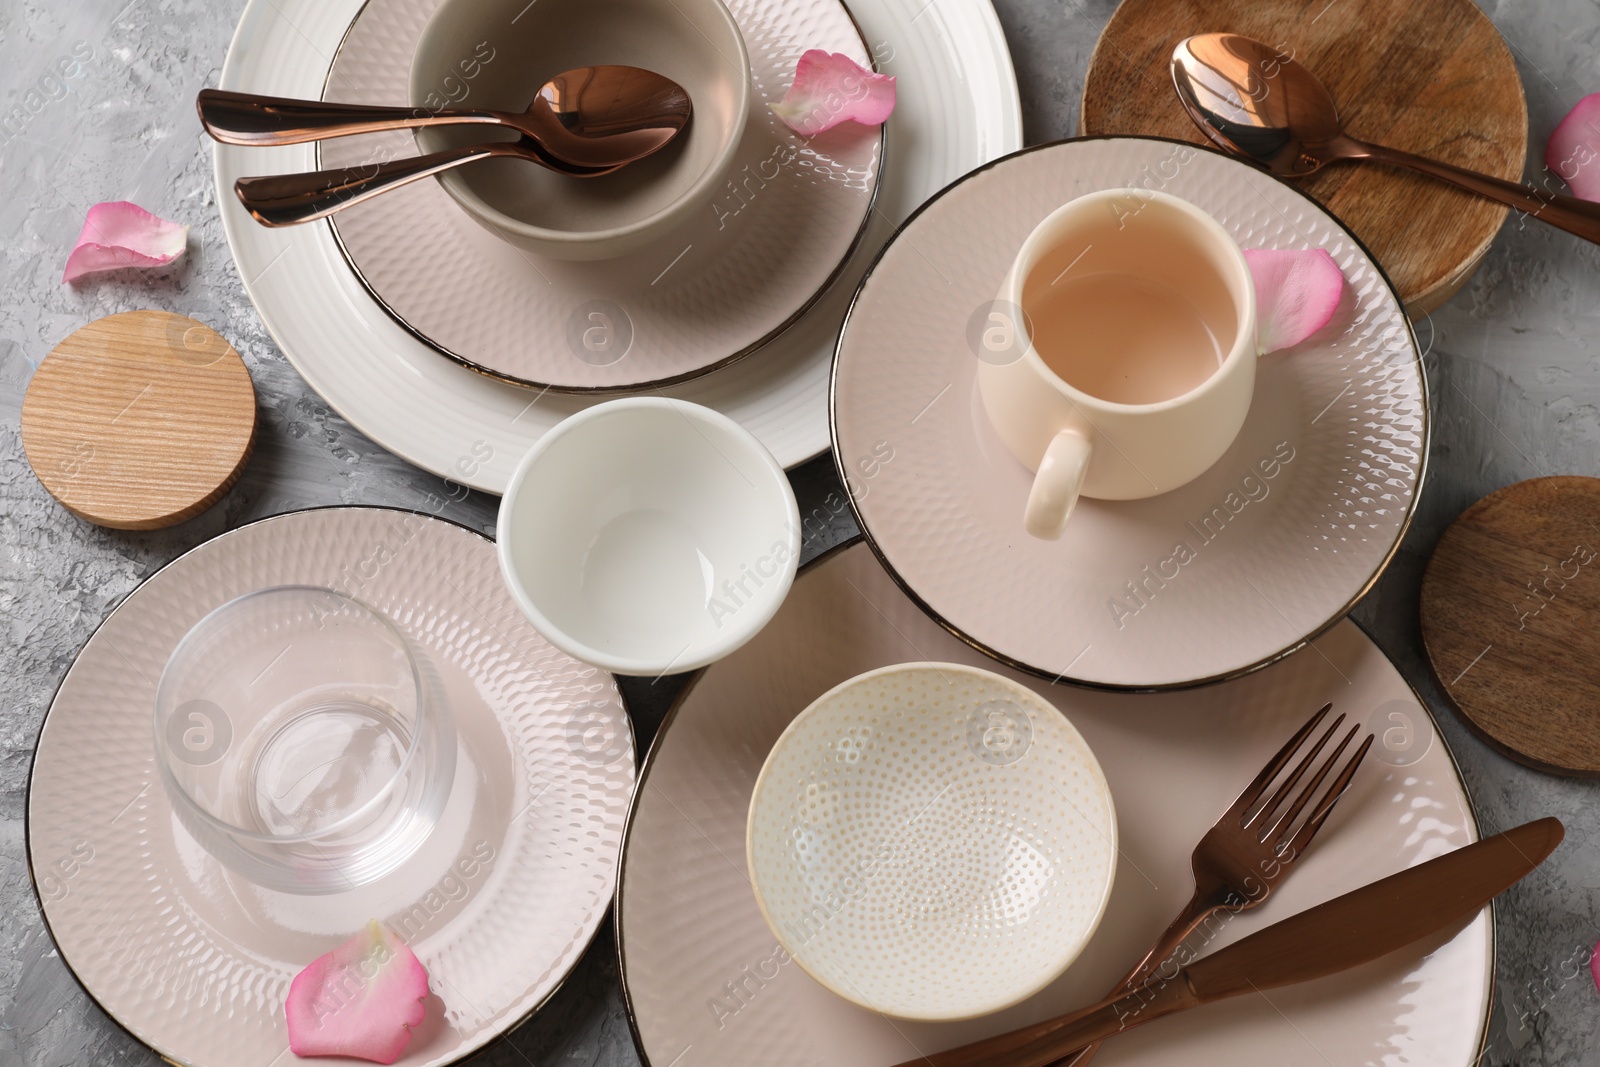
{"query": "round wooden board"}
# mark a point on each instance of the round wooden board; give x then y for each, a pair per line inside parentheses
(139, 420)
(1511, 621)
(1433, 77)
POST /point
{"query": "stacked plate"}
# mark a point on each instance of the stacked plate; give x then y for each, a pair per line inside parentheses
(387, 315)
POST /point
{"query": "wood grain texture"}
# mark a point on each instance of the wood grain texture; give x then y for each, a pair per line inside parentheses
(139, 420)
(1432, 77)
(1509, 621)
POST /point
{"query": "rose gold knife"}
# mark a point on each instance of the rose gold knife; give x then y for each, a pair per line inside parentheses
(1342, 933)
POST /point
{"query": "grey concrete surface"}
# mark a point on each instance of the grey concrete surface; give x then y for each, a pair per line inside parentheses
(97, 97)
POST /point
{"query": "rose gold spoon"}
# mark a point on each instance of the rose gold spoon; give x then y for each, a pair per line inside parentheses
(1263, 106)
(588, 118)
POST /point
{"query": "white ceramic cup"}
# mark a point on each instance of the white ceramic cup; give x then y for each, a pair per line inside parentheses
(648, 535)
(1083, 444)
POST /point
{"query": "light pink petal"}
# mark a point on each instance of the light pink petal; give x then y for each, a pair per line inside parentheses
(1297, 293)
(1574, 149)
(361, 999)
(119, 234)
(830, 88)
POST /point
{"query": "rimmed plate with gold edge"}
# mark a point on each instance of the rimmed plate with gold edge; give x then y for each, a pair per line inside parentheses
(787, 216)
(500, 901)
(1270, 546)
(708, 985)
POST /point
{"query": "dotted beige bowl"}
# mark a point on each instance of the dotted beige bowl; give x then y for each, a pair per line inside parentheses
(932, 841)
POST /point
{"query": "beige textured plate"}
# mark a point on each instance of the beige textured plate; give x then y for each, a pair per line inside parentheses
(498, 904)
(1270, 546)
(761, 253)
(707, 985)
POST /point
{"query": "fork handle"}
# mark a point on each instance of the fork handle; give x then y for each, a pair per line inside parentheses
(1201, 907)
(249, 119)
(289, 199)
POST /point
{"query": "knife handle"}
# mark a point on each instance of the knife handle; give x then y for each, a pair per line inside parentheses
(1044, 1043)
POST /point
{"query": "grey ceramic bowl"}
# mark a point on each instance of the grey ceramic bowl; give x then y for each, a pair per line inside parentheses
(496, 54)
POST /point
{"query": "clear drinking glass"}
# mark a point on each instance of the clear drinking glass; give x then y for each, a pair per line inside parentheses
(297, 740)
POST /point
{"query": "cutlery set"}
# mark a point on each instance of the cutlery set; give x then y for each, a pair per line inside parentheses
(1433, 897)
(583, 123)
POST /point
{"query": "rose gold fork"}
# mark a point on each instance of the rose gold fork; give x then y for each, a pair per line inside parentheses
(1240, 859)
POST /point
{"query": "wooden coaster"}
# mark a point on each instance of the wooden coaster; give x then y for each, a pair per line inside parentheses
(139, 420)
(1511, 621)
(1433, 77)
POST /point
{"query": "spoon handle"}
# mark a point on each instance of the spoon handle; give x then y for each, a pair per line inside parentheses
(1569, 213)
(248, 119)
(289, 199)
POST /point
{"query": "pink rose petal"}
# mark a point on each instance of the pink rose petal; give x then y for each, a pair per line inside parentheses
(830, 88)
(1297, 293)
(119, 234)
(1574, 149)
(361, 999)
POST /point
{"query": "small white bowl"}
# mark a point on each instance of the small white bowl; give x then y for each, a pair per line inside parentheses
(496, 53)
(932, 841)
(649, 536)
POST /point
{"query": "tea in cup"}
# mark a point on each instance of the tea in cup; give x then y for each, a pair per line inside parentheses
(1133, 360)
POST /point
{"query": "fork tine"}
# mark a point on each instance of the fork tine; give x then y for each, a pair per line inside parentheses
(1293, 777)
(1309, 790)
(1319, 815)
(1253, 791)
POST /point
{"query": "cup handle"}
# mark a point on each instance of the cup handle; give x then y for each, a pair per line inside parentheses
(1056, 485)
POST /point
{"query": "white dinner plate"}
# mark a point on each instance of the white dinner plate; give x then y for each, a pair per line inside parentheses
(958, 108)
(708, 985)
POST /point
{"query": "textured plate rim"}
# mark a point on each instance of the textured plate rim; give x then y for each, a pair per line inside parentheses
(799, 313)
(33, 765)
(647, 764)
(1125, 687)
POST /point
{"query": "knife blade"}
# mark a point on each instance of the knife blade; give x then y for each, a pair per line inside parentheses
(1344, 932)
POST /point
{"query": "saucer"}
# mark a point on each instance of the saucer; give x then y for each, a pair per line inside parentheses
(499, 903)
(447, 419)
(708, 985)
(775, 235)
(1270, 546)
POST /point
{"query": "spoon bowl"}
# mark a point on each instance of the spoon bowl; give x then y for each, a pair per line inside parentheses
(1254, 102)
